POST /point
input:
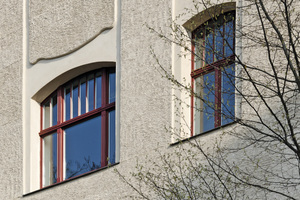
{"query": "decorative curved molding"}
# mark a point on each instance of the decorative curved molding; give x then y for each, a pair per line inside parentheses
(70, 51)
(207, 14)
(60, 28)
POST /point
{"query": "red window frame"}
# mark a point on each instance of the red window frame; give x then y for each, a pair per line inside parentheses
(105, 108)
(215, 66)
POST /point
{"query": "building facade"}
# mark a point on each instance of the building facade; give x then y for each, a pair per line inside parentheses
(84, 79)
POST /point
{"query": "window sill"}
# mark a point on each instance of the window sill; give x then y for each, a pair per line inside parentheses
(201, 134)
(71, 179)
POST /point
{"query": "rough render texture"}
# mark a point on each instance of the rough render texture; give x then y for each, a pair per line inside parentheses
(11, 99)
(57, 28)
(145, 107)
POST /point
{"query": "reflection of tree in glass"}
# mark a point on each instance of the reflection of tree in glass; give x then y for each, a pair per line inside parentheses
(54, 175)
(75, 168)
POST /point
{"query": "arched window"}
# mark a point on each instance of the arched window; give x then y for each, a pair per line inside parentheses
(78, 127)
(213, 73)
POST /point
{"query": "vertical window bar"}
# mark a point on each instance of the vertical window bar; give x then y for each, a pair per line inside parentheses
(60, 155)
(104, 121)
(218, 80)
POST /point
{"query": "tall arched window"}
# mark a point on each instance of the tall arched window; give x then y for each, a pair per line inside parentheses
(78, 127)
(213, 73)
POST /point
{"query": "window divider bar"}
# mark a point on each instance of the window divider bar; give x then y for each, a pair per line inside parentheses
(76, 119)
(60, 157)
(104, 138)
(218, 87)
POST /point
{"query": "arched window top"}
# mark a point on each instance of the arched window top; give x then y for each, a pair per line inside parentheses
(208, 14)
(52, 85)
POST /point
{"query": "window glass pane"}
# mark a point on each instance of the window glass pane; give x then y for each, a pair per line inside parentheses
(198, 105)
(46, 110)
(228, 96)
(83, 96)
(112, 87)
(219, 42)
(75, 99)
(98, 90)
(209, 101)
(209, 40)
(83, 147)
(67, 104)
(199, 45)
(50, 159)
(91, 93)
(54, 110)
(229, 38)
(111, 137)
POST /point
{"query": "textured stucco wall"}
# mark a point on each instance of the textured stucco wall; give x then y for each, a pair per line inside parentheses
(11, 99)
(60, 27)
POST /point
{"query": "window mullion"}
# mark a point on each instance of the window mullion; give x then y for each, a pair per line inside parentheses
(104, 119)
(60, 157)
(218, 88)
(60, 102)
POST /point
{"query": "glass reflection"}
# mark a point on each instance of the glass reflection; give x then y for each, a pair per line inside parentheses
(111, 137)
(83, 96)
(219, 43)
(209, 101)
(98, 90)
(50, 159)
(209, 41)
(228, 96)
(83, 147)
(229, 38)
(91, 92)
(199, 49)
(198, 106)
(75, 99)
(46, 115)
(67, 104)
(112, 87)
(54, 110)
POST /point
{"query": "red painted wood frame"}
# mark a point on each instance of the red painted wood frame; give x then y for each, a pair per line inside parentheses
(209, 68)
(61, 124)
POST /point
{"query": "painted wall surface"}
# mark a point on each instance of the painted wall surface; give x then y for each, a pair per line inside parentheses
(11, 99)
(43, 44)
